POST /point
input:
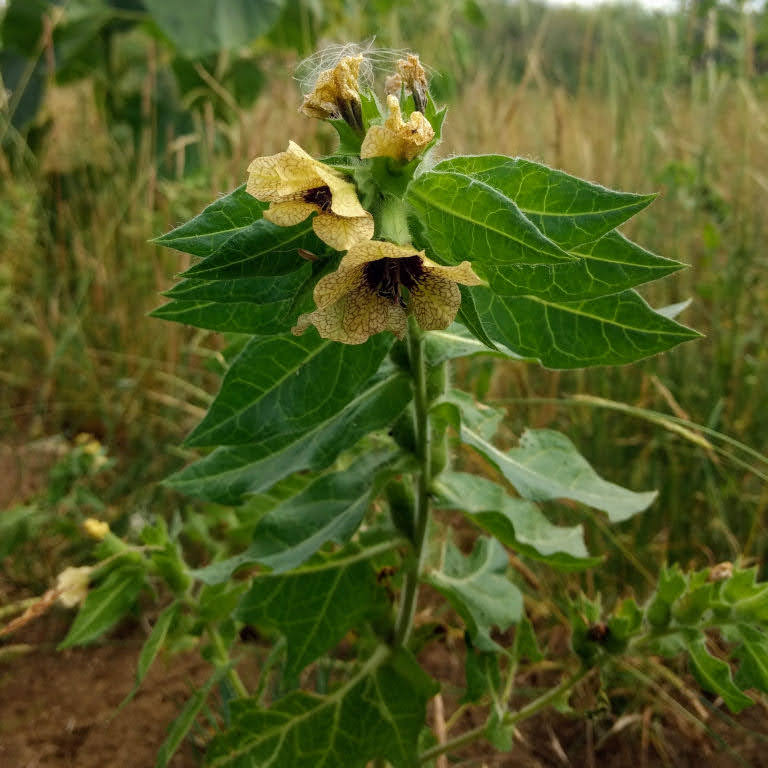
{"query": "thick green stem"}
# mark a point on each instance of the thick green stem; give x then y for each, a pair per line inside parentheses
(424, 478)
(511, 719)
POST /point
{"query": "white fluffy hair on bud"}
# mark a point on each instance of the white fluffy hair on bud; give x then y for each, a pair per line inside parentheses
(374, 60)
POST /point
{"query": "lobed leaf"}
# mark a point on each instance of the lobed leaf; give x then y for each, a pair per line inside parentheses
(516, 523)
(378, 713)
(546, 465)
(477, 587)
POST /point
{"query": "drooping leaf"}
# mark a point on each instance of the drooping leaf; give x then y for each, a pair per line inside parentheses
(482, 674)
(453, 342)
(106, 604)
(752, 653)
(280, 387)
(209, 26)
(516, 523)
(479, 591)
(546, 465)
(329, 509)
(611, 330)
(464, 216)
(229, 474)
(314, 606)
(482, 419)
(378, 713)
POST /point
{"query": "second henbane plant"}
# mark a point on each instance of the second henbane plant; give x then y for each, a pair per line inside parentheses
(349, 283)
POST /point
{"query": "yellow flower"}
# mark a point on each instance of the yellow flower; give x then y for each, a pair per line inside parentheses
(72, 586)
(96, 529)
(414, 78)
(396, 138)
(336, 93)
(365, 295)
(297, 185)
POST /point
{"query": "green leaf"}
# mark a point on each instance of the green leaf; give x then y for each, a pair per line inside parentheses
(568, 210)
(229, 474)
(714, 674)
(482, 673)
(753, 655)
(546, 465)
(219, 222)
(106, 604)
(610, 330)
(455, 341)
(464, 217)
(210, 26)
(179, 728)
(330, 509)
(526, 646)
(256, 305)
(314, 606)
(377, 714)
(483, 420)
(477, 588)
(152, 647)
(516, 523)
(280, 387)
(609, 265)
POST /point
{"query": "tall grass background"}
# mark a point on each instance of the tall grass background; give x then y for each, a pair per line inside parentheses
(632, 101)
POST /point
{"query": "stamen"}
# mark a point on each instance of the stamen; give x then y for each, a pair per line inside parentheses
(387, 276)
(319, 196)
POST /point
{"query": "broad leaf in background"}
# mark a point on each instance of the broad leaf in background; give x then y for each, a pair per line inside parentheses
(478, 589)
(714, 674)
(229, 474)
(210, 26)
(106, 604)
(329, 509)
(282, 386)
(546, 465)
(517, 523)
(378, 713)
(314, 606)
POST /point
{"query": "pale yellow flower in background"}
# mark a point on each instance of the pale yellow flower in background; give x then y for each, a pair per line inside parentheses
(72, 586)
(396, 138)
(364, 296)
(297, 185)
(96, 529)
(336, 93)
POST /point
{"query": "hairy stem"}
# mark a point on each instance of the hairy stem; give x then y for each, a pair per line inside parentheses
(424, 477)
(222, 660)
(511, 719)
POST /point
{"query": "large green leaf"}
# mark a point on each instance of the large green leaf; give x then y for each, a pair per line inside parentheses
(254, 305)
(611, 330)
(329, 509)
(106, 605)
(516, 523)
(210, 26)
(228, 216)
(476, 586)
(315, 605)
(453, 342)
(546, 465)
(377, 714)
(568, 210)
(468, 218)
(229, 474)
(280, 387)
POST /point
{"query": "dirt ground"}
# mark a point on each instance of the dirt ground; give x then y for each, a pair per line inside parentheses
(59, 710)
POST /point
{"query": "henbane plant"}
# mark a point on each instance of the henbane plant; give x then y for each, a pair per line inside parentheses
(348, 284)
